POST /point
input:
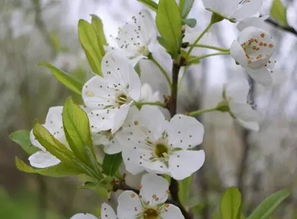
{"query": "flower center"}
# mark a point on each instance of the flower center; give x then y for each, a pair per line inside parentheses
(150, 213)
(161, 150)
(258, 50)
(121, 99)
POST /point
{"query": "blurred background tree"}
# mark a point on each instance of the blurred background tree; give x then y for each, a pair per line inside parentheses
(32, 31)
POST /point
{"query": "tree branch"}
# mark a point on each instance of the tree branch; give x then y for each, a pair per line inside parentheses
(277, 25)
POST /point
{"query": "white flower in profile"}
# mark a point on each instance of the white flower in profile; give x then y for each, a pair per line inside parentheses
(253, 51)
(54, 124)
(106, 213)
(135, 39)
(109, 98)
(236, 93)
(233, 9)
(160, 146)
(150, 203)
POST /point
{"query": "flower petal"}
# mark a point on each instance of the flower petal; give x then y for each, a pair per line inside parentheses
(223, 7)
(120, 116)
(107, 212)
(129, 205)
(131, 159)
(248, 8)
(153, 119)
(43, 159)
(185, 132)
(184, 163)
(238, 54)
(83, 216)
(102, 119)
(98, 93)
(154, 189)
(254, 126)
(261, 75)
(118, 69)
(245, 115)
(237, 90)
(170, 211)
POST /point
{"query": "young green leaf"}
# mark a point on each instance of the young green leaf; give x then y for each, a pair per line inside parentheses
(52, 145)
(191, 22)
(151, 4)
(267, 207)
(185, 7)
(60, 151)
(98, 27)
(59, 170)
(111, 163)
(77, 131)
(64, 78)
(279, 12)
(231, 204)
(22, 138)
(88, 37)
(185, 190)
(169, 23)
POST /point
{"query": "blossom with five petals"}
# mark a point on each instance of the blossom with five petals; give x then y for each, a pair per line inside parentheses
(109, 98)
(160, 146)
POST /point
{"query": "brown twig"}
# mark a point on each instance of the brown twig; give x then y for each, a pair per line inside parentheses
(277, 25)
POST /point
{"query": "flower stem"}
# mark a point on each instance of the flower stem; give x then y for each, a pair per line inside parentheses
(199, 112)
(210, 47)
(200, 37)
(163, 71)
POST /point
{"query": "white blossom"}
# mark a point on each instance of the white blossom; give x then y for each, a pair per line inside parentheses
(233, 9)
(236, 93)
(253, 51)
(53, 123)
(110, 97)
(157, 145)
(106, 213)
(150, 203)
(137, 38)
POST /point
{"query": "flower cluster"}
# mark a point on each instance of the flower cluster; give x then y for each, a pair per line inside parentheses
(127, 117)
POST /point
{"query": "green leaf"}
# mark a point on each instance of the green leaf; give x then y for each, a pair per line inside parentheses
(64, 78)
(77, 132)
(22, 138)
(59, 150)
(266, 207)
(111, 163)
(151, 4)
(185, 7)
(98, 27)
(169, 23)
(279, 12)
(185, 190)
(52, 145)
(59, 170)
(90, 37)
(231, 204)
